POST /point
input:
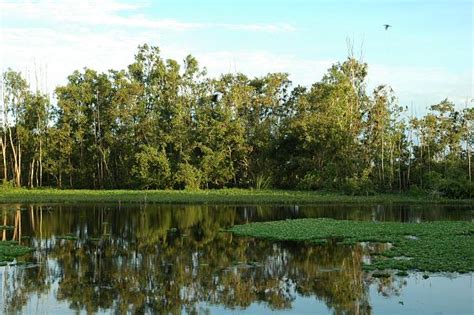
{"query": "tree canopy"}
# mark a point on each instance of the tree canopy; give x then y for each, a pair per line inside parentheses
(160, 124)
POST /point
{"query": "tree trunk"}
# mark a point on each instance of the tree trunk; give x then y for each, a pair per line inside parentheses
(3, 142)
(399, 166)
(383, 170)
(31, 181)
(40, 171)
(16, 159)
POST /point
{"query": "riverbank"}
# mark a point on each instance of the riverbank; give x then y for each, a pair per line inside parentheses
(222, 196)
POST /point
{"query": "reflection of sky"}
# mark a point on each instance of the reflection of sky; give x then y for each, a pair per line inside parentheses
(302, 305)
(47, 303)
(439, 294)
(436, 295)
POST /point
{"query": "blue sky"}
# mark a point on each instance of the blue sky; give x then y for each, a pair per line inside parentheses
(426, 56)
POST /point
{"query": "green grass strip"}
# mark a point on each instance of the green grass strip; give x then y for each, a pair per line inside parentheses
(221, 196)
(429, 246)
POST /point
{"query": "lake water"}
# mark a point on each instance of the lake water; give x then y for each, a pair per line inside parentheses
(162, 259)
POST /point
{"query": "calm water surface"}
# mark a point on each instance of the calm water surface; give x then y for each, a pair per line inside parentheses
(161, 259)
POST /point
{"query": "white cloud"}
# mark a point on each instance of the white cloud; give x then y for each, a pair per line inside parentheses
(273, 28)
(61, 53)
(111, 13)
(257, 63)
(423, 86)
(105, 34)
(62, 36)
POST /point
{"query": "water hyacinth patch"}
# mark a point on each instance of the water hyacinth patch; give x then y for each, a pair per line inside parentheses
(431, 246)
(9, 250)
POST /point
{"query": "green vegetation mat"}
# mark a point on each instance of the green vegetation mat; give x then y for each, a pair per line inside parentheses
(431, 246)
(222, 196)
(11, 249)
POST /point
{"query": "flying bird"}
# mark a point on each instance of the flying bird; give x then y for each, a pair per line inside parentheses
(387, 26)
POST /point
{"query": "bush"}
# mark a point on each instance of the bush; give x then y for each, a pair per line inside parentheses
(310, 181)
(455, 188)
(187, 177)
(7, 184)
(152, 168)
(417, 191)
(262, 181)
(450, 187)
(358, 186)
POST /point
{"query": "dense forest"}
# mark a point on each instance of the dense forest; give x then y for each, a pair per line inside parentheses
(161, 124)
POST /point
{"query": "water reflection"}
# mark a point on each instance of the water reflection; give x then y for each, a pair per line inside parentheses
(171, 259)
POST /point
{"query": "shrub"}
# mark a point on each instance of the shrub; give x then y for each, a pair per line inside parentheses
(310, 181)
(152, 168)
(358, 186)
(187, 177)
(262, 181)
(451, 187)
(7, 184)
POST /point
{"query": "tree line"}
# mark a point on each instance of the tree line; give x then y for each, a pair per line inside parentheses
(160, 124)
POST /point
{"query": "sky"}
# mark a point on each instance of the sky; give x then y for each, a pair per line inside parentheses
(426, 56)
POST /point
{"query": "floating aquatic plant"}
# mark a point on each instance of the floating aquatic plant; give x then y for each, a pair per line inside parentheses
(9, 250)
(431, 246)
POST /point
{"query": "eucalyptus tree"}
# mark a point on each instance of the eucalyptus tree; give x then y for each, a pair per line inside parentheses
(468, 138)
(158, 81)
(325, 128)
(84, 116)
(37, 117)
(262, 119)
(125, 112)
(375, 135)
(193, 91)
(15, 94)
(233, 97)
(221, 153)
(3, 131)
(18, 108)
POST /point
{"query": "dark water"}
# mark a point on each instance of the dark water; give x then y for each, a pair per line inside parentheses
(176, 259)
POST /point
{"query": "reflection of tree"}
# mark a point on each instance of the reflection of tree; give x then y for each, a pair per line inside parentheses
(18, 283)
(165, 259)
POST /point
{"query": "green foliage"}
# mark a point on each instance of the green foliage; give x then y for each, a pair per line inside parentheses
(187, 177)
(437, 246)
(152, 168)
(311, 181)
(9, 250)
(359, 186)
(452, 186)
(262, 181)
(162, 124)
(7, 185)
(417, 191)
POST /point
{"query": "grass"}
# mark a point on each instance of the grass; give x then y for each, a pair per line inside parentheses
(9, 250)
(430, 246)
(222, 196)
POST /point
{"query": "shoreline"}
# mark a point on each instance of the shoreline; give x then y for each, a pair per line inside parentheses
(221, 196)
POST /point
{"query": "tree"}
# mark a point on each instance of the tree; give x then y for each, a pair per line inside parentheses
(15, 98)
(161, 123)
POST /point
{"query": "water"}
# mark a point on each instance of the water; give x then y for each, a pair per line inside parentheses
(176, 259)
